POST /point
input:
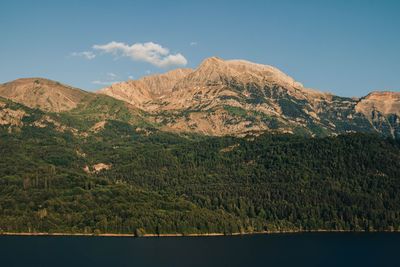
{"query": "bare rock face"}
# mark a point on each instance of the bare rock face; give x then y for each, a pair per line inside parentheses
(382, 109)
(163, 84)
(233, 97)
(219, 97)
(44, 94)
(214, 75)
(147, 89)
(238, 97)
(214, 71)
(384, 102)
(11, 117)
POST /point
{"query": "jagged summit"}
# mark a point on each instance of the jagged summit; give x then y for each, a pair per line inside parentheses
(215, 70)
(262, 72)
(212, 71)
(221, 97)
(237, 97)
(212, 60)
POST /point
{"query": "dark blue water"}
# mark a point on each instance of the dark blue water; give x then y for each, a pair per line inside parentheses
(310, 249)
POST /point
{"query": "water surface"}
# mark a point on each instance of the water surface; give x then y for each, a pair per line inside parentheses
(307, 249)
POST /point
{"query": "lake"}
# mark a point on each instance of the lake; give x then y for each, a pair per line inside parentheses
(305, 249)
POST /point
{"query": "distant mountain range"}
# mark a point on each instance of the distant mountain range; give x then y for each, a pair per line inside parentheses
(165, 155)
(220, 97)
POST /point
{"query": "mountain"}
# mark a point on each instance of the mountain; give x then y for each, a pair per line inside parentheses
(43, 94)
(237, 97)
(165, 155)
(38, 102)
(147, 88)
(219, 97)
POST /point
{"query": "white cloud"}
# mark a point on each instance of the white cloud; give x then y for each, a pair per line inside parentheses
(149, 52)
(193, 43)
(104, 82)
(130, 77)
(86, 54)
(110, 78)
(112, 75)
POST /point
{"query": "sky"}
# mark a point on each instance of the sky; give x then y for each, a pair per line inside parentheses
(348, 47)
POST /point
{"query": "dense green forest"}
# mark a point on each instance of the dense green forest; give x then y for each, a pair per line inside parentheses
(168, 183)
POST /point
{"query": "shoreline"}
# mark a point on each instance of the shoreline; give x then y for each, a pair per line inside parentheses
(189, 235)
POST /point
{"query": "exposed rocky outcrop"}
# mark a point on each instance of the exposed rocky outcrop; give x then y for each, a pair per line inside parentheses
(382, 109)
(220, 97)
(141, 92)
(384, 102)
(237, 97)
(11, 117)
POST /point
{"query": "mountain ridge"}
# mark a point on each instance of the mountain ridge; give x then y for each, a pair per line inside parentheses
(103, 165)
(45, 94)
(224, 97)
(200, 99)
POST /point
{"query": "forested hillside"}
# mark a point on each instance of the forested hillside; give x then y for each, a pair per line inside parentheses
(123, 180)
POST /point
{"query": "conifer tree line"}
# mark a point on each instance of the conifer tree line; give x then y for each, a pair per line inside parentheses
(169, 183)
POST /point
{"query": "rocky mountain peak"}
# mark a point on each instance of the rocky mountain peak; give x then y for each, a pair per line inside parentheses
(262, 73)
(214, 60)
(216, 71)
(224, 97)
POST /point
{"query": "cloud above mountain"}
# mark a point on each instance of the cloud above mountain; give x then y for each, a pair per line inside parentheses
(149, 52)
(97, 82)
(86, 54)
(110, 79)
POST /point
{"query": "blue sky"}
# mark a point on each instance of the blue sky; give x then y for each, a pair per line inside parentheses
(345, 47)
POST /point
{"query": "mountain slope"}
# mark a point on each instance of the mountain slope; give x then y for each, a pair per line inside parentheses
(220, 97)
(384, 102)
(119, 181)
(146, 89)
(43, 94)
(65, 107)
(382, 109)
(102, 165)
(93, 114)
(237, 97)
